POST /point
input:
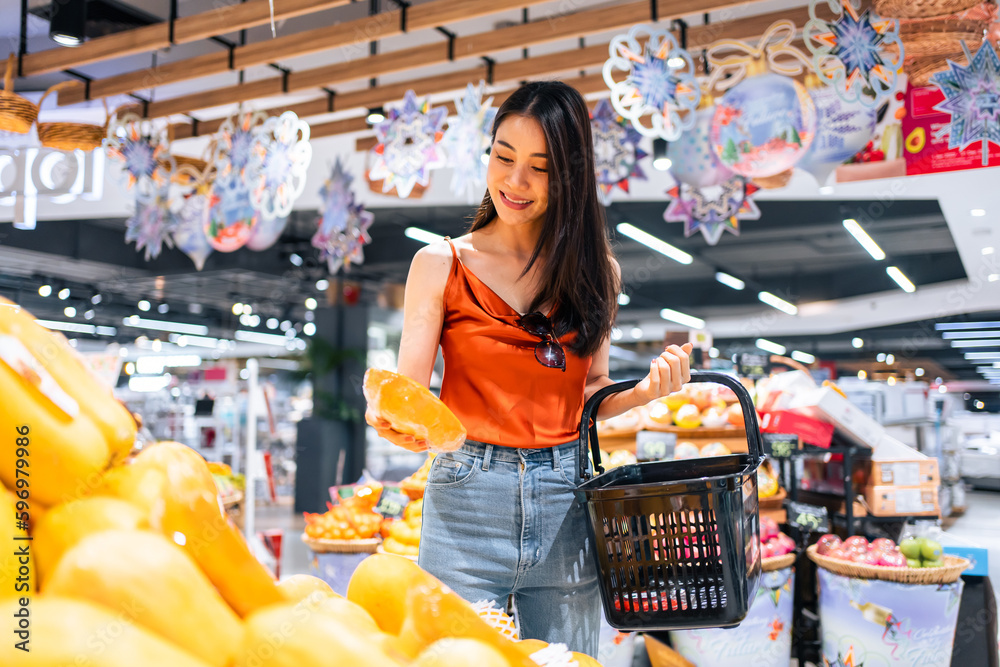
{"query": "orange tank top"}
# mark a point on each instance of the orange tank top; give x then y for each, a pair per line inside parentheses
(492, 381)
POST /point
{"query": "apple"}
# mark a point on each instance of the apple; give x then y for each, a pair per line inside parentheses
(767, 550)
(882, 544)
(930, 550)
(838, 554)
(787, 543)
(891, 559)
(857, 541)
(865, 558)
(827, 543)
(768, 528)
(734, 415)
(938, 562)
(700, 396)
(913, 562)
(910, 547)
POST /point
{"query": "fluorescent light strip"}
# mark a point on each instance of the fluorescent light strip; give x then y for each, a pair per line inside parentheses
(681, 318)
(74, 327)
(803, 357)
(769, 346)
(862, 237)
(106, 331)
(656, 244)
(981, 356)
(729, 281)
(162, 325)
(422, 235)
(948, 335)
(197, 341)
(900, 279)
(778, 302)
(975, 343)
(263, 338)
(949, 326)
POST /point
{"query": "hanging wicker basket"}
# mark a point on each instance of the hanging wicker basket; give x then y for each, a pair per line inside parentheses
(940, 36)
(916, 9)
(71, 136)
(17, 114)
(919, 70)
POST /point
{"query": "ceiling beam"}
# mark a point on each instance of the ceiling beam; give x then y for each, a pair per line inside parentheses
(221, 19)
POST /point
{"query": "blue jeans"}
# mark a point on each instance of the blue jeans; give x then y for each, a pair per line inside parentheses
(501, 521)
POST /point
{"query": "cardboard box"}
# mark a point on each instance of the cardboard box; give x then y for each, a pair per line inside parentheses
(903, 500)
(827, 405)
(918, 472)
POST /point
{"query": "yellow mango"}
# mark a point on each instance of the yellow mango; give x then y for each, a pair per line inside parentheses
(379, 584)
(66, 524)
(158, 582)
(53, 407)
(457, 652)
(300, 586)
(74, 632)
(17, 573)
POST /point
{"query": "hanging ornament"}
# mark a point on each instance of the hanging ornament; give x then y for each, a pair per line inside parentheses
(229, 216)
(713, 215)
(409, 146)
(972, 97)
(266, 233)
(278, 168)
(692, 160)
(343, 227)
(152, 225)
(142, 150)
(237, 144)
(616, 151)
(467, 140)
(659, 89)
(842, 129)
(189, 234)
(857, 53)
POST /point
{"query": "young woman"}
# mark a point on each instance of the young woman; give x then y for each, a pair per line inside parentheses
(522, 307)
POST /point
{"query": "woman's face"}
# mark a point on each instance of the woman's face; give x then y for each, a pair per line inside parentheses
(517, 176)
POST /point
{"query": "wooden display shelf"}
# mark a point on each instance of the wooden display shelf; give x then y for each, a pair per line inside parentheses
(733, 438)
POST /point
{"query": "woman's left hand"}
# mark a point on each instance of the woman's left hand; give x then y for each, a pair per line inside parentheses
(667, 373)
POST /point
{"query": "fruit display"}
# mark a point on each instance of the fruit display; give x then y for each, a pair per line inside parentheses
(231, 485)
(353, 518)
(881, 552)
(687, 416)
(767, 481)
(411, 408)
(414, 485)
(619, 457)
(922, 552)
(686, 450)
(772, 541)
(403, 536)
(629, 421)
(715, 449)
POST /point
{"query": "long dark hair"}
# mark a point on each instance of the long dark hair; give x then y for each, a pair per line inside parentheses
(573, 248)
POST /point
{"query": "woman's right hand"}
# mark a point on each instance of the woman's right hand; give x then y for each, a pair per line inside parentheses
(385, 430)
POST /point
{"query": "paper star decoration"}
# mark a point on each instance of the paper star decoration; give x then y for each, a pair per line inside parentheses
(343, 227)
(409, 146)
(466, 141)
(237, 143)
(151, 226)
(143, 153)
(849, 53)
(713, 216)
(616, 151)
(278, 169)
(659, 84)
(972, 97)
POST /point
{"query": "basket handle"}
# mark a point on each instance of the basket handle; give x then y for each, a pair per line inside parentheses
(588, 428)
(8, 76)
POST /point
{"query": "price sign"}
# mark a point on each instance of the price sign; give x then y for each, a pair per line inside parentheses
(808, 518)
(392, 503)
(780, 445)
(654, 445)
(753, 366)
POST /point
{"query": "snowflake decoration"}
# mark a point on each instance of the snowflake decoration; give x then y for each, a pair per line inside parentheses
(278, 169)
(972, 97)
(152, 225)
(659, 84)
(237, 144)
(466, 141)
(713, 215)
(616, 151)
(189, 235)
(409, 146)
(143, 154)
(343, 227)
(850, 53)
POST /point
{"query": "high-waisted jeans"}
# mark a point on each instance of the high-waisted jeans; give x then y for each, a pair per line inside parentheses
(501, 521)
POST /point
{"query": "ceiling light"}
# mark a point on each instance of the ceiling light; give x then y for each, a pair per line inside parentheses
(616, 333)
(485, 158)
(948, 335)
(975, 343)
(890, 359)
(857, 343)
(295, 259)
(285, 325)
(769, 346)
(375, 115)
(422, 235)
(73, 327)
(322, 284)
(636, 333)
(729, 281)
(862, 375)
(64, 294)
(129, 368)
(163, 309)
(311, 303)
(262, 338)
(149, 383)
(988, 250)
(919, 372)
(993, 277)
(198, 341)
(96, 299)
(69, 311)
(973, 356)
(713, 352)
(624, 299)
(660, 159)
(943, 389)
(977, 212)
(68, 22)
(880, 357)
(143, 305)
(681, 318)
(310, 316)
(946, 326)
(272, 323)
(309, 329)
(900, 279)
(237, 309)
(89, 314)
(676, 62)
(891, 381)
(163, 325)
(803, 357)
(45, 290)
(656, 244)
(777, 302)
(247, 309)
(852, 226)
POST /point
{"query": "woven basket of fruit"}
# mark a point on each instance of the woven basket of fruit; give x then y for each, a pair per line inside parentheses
(777, 562)
(324, 546)
(949, 572)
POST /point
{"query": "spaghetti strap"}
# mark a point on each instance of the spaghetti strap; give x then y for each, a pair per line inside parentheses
(454, 253)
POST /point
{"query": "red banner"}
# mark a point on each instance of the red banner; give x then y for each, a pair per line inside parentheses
(926, 154)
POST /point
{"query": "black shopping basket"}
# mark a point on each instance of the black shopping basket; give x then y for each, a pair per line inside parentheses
(677, 543)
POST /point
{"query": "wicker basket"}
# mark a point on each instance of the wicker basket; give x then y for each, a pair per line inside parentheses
(941, 36)
(322, 546)
(915, 9)
(17, 114)
(952, 570)
(71, 136)
(919, 70)
(777, 562)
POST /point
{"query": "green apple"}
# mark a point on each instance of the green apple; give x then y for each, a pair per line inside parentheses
(939, 562)
(914, 562)
(910, 547)
(930, 550)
